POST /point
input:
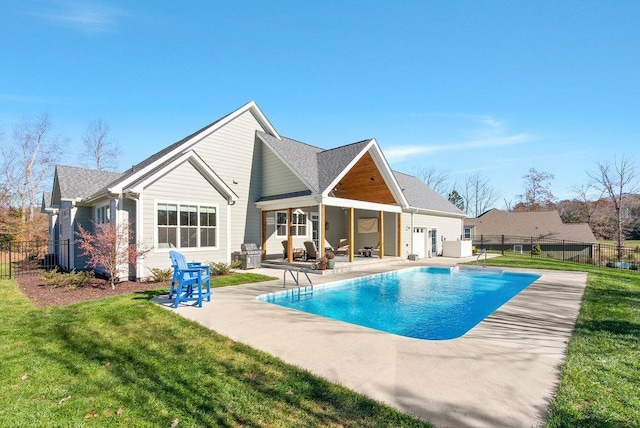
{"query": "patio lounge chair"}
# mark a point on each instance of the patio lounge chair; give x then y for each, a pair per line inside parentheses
(188, 279)
(312, 250)
(343, 248)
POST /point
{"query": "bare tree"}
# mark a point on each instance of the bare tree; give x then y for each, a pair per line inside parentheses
(27, 162)
(100, 151)
(478, 195)
(617, 182)
(433, 178)
(537, 195)
(589, 198)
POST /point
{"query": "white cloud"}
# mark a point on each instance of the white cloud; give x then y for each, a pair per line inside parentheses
(90, 17)
(402, 152)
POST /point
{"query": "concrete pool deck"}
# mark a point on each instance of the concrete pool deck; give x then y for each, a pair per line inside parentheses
(502, 373)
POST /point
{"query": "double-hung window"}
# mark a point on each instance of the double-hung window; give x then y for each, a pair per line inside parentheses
(298, 224)
(186, 225)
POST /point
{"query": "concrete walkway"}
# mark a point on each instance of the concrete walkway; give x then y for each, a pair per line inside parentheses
(502, 373)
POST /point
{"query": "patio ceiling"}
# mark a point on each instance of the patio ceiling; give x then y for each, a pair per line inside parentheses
(364, 182)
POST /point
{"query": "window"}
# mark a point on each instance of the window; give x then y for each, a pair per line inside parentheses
(103, 214)
(467, 233)
(188, 225)
(167, 225)
(281, 223)
(298, 224)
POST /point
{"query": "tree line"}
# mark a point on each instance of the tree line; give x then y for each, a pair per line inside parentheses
(29, 151)
(608, 200)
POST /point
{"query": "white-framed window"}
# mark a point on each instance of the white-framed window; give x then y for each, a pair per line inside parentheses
(298, 224)
(103, 214)
(466, 234)
(186, 225)
(281, 223)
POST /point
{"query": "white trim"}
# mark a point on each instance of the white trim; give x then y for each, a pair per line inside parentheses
(283, 204)
(228, 233)
(197, 163)
(435, 212)
(249, 107)
(352, 203)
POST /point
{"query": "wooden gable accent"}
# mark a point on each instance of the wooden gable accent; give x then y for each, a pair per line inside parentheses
(364, 183)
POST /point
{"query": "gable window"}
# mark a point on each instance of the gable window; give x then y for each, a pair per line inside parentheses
(186, 225)
(298, 224)
(103, 214)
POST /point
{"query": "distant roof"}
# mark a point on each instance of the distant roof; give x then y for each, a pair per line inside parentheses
(537, 224)
(76, 182)
(419, 195)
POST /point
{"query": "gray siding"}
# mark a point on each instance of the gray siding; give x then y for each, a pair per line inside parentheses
(277, 178)
(235, 154)
(183, 184)
(84, 218)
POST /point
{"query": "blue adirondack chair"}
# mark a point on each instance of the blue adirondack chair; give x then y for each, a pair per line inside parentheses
(188, 280)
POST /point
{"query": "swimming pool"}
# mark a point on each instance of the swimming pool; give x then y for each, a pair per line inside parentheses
(433, 303)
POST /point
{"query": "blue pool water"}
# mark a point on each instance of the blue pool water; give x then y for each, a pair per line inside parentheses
(434, 303)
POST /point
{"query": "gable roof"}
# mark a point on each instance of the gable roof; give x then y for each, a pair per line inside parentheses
(538, 224)
(421, 196)
(73, 183)
(171, 153)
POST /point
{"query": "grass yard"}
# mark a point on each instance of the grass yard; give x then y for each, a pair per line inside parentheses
(123, 361)
(600, 377)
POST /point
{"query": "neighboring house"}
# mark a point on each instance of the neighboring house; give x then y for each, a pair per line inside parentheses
(544, 228)
(237, 180)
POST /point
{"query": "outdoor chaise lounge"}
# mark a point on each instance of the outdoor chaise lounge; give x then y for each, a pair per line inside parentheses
(343, 248)
(312, 250)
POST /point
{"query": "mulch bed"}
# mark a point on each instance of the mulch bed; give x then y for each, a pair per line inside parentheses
(42, 294)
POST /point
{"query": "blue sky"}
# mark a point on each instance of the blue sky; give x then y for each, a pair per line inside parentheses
(465, 87)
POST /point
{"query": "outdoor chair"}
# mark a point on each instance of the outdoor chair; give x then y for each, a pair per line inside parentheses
(312, 250)
(188, 279)
(297, 252)
(343, 248)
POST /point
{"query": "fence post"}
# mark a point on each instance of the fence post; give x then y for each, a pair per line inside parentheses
(502, 245)
(481, 242)
(10, 264)
(563, 250)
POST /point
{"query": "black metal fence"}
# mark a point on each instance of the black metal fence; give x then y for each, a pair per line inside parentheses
(563, 250)
(31, 257)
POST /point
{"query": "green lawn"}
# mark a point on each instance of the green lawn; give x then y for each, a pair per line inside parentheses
(124, 361)
(600, 377)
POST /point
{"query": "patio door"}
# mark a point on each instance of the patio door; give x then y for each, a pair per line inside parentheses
(419, 242)
(434, 242)
(315, 231)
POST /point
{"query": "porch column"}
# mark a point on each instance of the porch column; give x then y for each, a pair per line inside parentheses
(322, 222)
(352, 215)
(264, 235)
(381, 232)
(290, 235)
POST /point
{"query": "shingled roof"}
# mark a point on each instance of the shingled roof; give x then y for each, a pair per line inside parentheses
(419, 195)
(536, 224)
(78, 183)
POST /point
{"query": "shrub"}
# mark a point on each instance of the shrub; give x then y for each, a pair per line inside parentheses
(536, 250)
(161, 275)
(70, 280)
(221, 268)
(329, 255)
